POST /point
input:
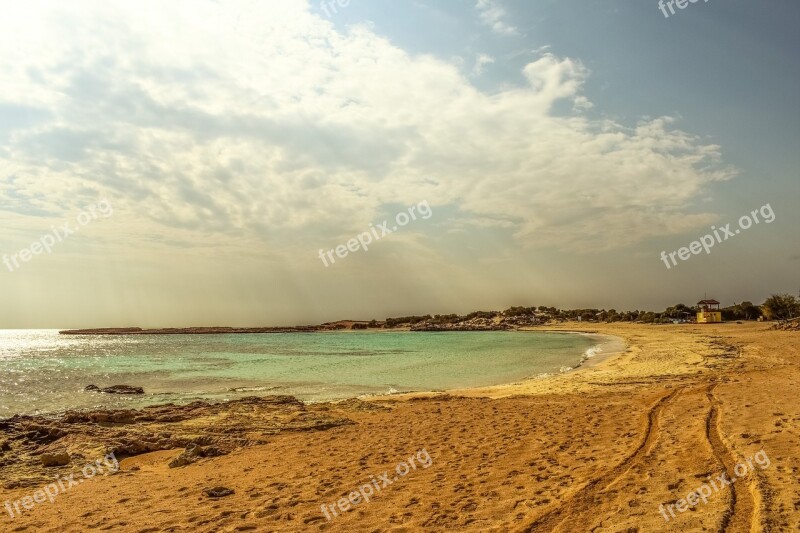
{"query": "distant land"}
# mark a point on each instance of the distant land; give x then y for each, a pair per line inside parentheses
(776, 307)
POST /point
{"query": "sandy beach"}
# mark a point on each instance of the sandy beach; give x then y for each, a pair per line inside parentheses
(490, 266)
(601, 448)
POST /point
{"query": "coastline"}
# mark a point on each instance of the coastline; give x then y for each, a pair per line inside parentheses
(603, 347)
(607, 347)
(564, 453)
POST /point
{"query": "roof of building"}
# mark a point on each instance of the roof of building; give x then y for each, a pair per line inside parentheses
(708, 302)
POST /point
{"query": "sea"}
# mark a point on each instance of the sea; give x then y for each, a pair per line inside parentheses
(44, 372)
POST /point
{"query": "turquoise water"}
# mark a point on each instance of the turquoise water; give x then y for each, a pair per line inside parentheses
(43, 372)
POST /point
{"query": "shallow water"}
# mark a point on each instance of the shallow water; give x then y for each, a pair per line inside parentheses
(42, 371)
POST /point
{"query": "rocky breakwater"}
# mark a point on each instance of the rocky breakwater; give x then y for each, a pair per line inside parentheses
(33, 449)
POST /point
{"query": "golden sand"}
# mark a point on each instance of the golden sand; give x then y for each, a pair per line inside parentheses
(597, 449)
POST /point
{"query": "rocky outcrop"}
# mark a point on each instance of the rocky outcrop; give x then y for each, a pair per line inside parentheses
(192, 454)
(116, 389)
(200, 429)
(788, 325)
(55, 459)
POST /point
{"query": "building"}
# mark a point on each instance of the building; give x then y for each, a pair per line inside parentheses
(708, 312)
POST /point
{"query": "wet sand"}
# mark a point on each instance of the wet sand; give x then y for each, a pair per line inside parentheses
(600, 448)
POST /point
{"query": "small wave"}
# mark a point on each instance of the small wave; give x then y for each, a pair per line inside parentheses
(591, 352)
(252, 389)
(389, 392)
(588, 354)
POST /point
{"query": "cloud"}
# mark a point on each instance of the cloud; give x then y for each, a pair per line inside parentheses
(492, 14)
(480, 62)
(256, 121)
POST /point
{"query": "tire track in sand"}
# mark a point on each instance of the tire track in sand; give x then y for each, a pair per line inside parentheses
(742, 514)
(583, 497)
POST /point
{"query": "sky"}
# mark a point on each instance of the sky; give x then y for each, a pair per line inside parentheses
(199, 163)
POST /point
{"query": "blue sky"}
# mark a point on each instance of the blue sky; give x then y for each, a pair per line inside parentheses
(717, 66)
(561, 145)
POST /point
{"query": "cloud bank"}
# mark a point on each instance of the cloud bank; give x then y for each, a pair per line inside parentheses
(263, 121)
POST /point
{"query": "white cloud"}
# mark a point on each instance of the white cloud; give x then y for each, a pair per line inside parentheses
(492, 14)
(258, 120)
(480, 63)
(582, 103)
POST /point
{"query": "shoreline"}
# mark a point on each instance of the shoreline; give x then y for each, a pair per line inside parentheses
(606, 347)
(609, 440)
(610, 346)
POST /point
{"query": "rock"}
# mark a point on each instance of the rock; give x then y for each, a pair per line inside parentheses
(116, 389)
(190, 455)
(218, 492)
(212, 451)
(218, 428)
(55, 459)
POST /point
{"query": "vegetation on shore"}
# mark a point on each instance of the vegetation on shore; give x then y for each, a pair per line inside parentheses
(776, 307)
(780, 307)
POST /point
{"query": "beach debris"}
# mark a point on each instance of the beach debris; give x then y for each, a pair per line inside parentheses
(218, 492)
(116, 389)
(55, 459)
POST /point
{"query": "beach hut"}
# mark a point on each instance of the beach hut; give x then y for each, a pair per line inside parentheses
(708, 312)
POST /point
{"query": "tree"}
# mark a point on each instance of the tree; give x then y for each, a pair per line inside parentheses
(781, 307)
(750, 311)
(742, 311)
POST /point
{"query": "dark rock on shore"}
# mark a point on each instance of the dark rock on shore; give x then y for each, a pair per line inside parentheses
(218, 492)
(116, 389)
